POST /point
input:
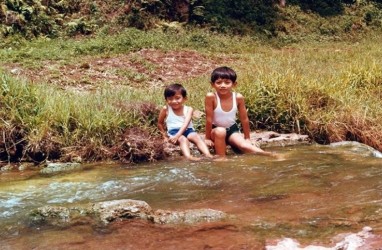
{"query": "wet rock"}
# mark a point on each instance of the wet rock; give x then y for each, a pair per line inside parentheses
(57, 215)
(191, 216)
(109, 211)
(357, 147)
(25, 166)
(270, 139)
(7, 167)
(60, 167)
(342, 242)
(52, 215)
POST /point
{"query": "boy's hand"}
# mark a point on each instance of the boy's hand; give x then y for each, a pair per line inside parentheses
(173, 139)
(209, 143)
(253, 143)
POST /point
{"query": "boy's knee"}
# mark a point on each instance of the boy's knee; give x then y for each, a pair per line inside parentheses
(182, 139)
(220, 132)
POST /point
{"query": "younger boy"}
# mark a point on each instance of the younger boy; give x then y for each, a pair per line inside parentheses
(221, 108)
(176, 117)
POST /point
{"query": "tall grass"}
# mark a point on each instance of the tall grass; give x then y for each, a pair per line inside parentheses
(51, 115)
(329, 90)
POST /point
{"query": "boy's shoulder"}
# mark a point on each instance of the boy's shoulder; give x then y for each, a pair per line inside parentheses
(239, 96)
(210, 94)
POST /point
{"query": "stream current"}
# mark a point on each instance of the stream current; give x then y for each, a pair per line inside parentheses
(314, 194)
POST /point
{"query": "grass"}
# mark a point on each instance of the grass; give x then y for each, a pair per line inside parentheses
(329, 90)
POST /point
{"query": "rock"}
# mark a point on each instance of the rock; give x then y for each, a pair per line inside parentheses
(60, 167)
(56, 215)
(7, 167)
(344, 242)
(52, 215)
(15, 71)
(25, 166)
(191, 216)
(109, 211)
(270, 138)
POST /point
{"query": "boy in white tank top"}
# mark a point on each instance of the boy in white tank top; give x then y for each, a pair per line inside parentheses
(176, 118)
(221, 109)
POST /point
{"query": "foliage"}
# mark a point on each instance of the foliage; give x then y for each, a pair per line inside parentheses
(59, 18)
(240, 17)
(323, 7)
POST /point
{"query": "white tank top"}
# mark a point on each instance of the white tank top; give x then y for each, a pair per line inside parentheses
(222, 118)
(174, 121)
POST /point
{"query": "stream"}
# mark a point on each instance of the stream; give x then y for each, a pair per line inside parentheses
(316, 193)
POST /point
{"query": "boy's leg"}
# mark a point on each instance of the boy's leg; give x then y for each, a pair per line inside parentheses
(218, 136)
(237, 140)
(184, 145)
(195, 138)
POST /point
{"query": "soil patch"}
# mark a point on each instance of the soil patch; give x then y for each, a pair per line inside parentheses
(146, 68)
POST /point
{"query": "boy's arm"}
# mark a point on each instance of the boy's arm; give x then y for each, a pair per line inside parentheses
(209, 109)
(161, 123)
(243, 116)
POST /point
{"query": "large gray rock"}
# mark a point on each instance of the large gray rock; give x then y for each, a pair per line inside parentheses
(121, 209)
(271, 139)
(191, 216)
(109, 211)
(56, 215)
(57, 167)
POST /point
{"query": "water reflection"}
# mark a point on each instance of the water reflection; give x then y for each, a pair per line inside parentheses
(314, 193)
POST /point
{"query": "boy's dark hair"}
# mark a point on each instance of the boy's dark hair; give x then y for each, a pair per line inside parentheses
(172, 89)
(223, 73)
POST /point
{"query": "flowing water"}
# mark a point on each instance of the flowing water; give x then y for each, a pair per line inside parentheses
(314, 194)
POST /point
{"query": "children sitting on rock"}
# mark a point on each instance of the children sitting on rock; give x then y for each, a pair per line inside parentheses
(175, 122)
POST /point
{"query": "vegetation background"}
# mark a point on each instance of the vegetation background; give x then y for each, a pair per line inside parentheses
(82, 80)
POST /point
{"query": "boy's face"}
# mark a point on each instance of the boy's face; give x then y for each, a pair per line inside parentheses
(223, 85)
(176, 100)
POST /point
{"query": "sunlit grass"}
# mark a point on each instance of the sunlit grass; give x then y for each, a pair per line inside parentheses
(329, 90)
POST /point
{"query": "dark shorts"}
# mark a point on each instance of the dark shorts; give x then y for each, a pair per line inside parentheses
(229, 131)
(188, 131)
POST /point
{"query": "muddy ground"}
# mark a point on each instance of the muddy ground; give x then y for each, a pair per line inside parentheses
(145, 67)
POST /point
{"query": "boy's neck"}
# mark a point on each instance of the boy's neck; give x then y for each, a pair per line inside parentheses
(225, 96)
(178, 109)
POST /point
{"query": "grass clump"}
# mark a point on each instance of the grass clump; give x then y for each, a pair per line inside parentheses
(42, 122)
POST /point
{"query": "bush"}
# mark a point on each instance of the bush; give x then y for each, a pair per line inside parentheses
(323, 7)
(237, 17)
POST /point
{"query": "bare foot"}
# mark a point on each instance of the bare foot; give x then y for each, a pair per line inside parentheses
(193, 158)
(210, 157)
(220, 158)
(278, 157)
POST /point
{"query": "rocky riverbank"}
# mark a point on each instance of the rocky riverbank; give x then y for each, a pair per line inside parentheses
(262, 139)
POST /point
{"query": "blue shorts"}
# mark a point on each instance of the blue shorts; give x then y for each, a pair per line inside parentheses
(188, 131)
(229, 131)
